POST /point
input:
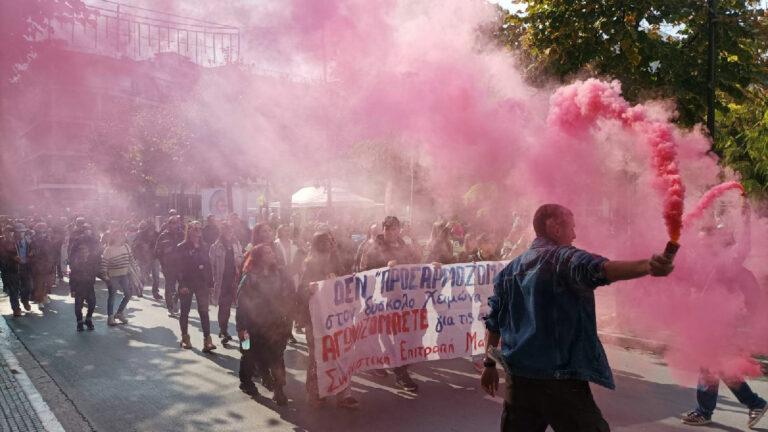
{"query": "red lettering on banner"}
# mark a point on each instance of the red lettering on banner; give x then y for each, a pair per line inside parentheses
(329, 349)
(423, 319)
(473, 343)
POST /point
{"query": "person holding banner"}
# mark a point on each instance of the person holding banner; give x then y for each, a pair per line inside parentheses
(543, 313)
(389, 249)
(321, 264)
(266, 305)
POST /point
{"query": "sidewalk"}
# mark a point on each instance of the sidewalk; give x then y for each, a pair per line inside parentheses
(22, 406)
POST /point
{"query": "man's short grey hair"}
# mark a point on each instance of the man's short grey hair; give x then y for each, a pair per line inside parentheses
(544, 214)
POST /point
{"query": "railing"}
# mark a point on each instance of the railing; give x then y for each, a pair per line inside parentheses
(120, 30)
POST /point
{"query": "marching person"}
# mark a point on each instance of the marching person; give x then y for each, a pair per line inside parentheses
(84, 267)
(116, 262)
(42, 261)
(195, 280)
(143, 248)
(226, 256)
(266, 306)
(166, 252)
(9, 265)
(543, 312)
(388, 250)
(321, 264)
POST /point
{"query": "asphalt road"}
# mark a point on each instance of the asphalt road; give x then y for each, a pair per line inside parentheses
(135, 378)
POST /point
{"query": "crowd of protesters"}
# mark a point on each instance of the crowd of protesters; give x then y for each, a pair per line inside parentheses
(267, 273)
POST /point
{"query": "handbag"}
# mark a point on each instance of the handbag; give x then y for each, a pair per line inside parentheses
(134, 275)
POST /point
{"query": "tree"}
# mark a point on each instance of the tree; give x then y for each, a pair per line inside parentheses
(141, 148)
(22, 22)
(744, 142)
(657, 48)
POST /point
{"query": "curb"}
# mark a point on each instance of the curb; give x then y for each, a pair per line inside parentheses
(632, 342)
(47, 418)
(656, 347)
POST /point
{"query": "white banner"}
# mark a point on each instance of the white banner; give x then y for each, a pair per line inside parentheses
(395, 316)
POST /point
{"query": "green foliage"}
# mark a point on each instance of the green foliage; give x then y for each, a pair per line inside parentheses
(743, 142)
(658, 49)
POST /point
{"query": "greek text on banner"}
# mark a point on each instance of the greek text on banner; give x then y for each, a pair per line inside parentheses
(391, 317)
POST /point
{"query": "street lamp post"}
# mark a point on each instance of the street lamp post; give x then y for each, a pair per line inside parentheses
(712, 61)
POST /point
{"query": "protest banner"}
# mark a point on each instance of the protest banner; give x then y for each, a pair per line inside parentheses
(391, 317)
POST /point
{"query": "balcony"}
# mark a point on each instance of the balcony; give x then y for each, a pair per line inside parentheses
(120, 30)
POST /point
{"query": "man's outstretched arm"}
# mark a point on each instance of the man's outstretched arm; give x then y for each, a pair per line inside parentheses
(658, 265)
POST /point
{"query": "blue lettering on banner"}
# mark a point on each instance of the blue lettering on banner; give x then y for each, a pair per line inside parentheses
(349, 289)
(426, 278)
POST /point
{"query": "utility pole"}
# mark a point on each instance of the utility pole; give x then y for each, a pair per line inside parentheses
(712, 61)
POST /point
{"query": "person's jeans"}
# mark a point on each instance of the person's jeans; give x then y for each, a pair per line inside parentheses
(152, 270)
(124, 283)
(203, 296)
(226, 298)
(25, 282)
(84, 293)
(707, 389)
(171, 280)
(12, 284)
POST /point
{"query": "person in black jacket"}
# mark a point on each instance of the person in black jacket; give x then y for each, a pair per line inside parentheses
(143, 249)
(9, 265)
(84, 267)
(266, 305)
(165, 251)
(195, 279)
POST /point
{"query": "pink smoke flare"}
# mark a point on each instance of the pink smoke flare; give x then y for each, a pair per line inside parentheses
(578, 107)
(709, 197)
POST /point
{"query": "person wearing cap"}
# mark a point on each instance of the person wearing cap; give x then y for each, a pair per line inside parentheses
(195, 279)
(143, 248)
(9, 265)
(166, 252)
(389, 249)
(42, 260)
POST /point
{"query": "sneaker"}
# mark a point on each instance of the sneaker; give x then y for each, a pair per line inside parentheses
(120, 317)
(27, 306)
(89, 325)
(249, 388)
(348, 402)
(17, 312)
(225, 338)
(755, 415)
(405, 382)
(156, 295)
(280, 398)
(80, 326)
(111, 321)
(695, 418)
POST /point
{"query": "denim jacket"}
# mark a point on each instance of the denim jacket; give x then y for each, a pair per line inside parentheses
(543, 307)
